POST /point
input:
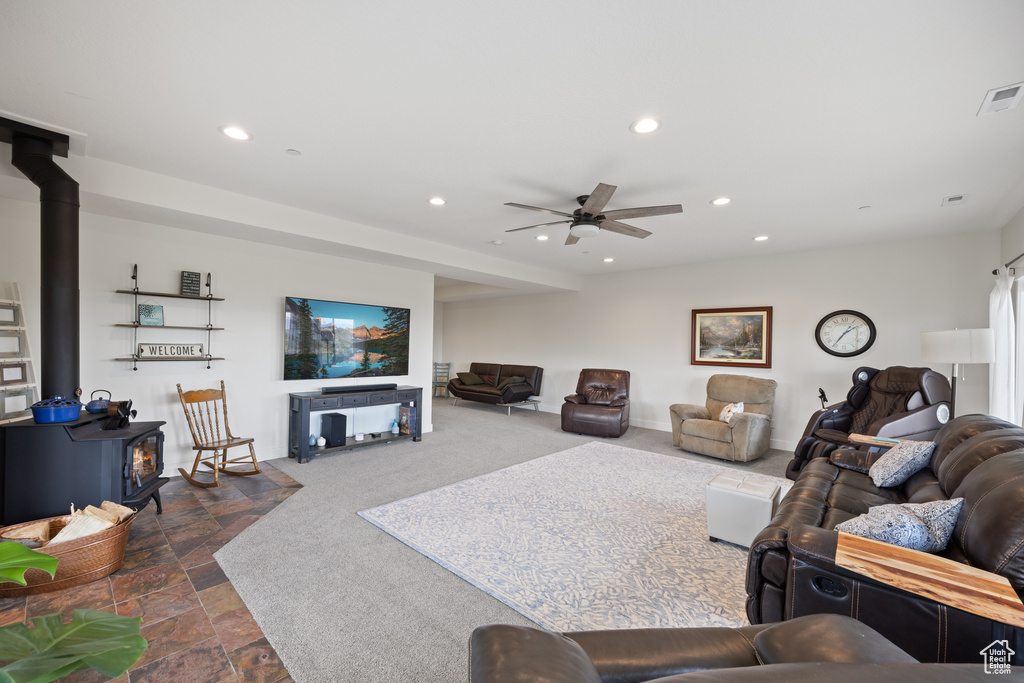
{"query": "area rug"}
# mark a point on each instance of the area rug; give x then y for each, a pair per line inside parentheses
(594, 537)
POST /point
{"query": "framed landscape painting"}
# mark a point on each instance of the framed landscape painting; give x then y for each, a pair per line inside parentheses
(740, 337)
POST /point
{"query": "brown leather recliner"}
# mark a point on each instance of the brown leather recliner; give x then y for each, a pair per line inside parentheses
(600, 406)
(897, 403)
(823, 647)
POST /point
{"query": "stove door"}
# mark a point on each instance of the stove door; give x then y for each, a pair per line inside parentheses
(143, 461)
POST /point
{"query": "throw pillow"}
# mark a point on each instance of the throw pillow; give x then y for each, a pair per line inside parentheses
(901, 461)
(919, 526)
(729, 410)
(469, 378)
(510, 380)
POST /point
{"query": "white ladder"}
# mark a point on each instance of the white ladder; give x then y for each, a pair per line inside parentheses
(18, 387)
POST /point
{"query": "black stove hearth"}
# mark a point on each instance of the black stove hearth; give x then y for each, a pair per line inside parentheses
(46, 467)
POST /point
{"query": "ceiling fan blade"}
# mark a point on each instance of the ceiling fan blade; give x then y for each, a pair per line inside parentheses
(539, 225)
(644, 211)
(537, 208)
(623, 229)
(598, 199)
(571, 239)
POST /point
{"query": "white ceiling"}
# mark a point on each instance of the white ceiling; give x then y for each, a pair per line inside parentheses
(801, 111)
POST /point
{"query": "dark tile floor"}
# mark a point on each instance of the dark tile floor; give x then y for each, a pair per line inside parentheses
(197, 627)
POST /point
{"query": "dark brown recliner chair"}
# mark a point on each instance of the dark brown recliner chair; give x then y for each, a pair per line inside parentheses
(600, 406)
(820, 647)
(895, 403)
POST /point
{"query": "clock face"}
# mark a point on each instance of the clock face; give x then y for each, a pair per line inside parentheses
(845, 333)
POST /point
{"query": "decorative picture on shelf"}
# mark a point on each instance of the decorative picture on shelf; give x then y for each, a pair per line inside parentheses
(9, 315)
(13, 373)
(151, 314)
(14, 404)
(329, 339)
(189, 283)
(12, 343)
(406, 419)
(740, 337)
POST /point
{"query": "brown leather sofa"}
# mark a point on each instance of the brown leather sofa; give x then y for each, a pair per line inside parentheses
(896, 403)
(811, 649)
(495, 389)
(600, 406)
(791, 569)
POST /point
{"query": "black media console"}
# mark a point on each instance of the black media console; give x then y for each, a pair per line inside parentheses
(302, 404)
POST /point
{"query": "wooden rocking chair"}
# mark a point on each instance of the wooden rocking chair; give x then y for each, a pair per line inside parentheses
(206, 410)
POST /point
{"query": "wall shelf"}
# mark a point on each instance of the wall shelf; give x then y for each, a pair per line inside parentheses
(135, 292)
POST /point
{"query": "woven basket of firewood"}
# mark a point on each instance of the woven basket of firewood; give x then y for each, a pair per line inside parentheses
(83, 559)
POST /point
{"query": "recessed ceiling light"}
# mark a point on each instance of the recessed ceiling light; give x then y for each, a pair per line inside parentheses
(761, 238)
(497, 243)
(644, 126)
(721, 201)
(542, 237)
(293, 152)
(235, 133)
(609, 260)
(437, 201)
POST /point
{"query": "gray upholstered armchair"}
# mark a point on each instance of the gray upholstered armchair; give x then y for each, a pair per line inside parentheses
(697, 428)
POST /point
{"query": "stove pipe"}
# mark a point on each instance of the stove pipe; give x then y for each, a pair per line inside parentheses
(32, 154)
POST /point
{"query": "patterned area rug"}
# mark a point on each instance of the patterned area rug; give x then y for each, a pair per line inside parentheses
(594, 537)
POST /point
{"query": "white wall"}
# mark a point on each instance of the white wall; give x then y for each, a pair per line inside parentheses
(640, 322)
(253, 278)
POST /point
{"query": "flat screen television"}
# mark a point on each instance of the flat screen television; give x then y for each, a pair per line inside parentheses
(329, 339)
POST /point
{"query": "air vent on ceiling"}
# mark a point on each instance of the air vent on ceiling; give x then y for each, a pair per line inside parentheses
(1003, 98)
(954, 199)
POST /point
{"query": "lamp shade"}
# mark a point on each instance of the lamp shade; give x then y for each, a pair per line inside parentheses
(958, 346)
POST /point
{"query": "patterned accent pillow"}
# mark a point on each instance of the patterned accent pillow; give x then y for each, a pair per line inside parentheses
(900, 462)
(729, 410)
(919, 526)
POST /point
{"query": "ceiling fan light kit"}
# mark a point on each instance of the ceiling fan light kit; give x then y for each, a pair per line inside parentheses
(584, 229)
(591, 217)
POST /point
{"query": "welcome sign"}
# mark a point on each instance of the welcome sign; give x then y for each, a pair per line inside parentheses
(170, 351)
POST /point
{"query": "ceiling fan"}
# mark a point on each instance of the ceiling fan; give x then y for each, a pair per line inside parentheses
(588, 220)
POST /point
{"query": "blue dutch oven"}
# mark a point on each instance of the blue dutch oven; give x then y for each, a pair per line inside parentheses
(56, 409)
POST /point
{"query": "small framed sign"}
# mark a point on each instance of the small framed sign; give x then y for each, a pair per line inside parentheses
(14, 404)
(12, 373)
(169, 351)
(189, 283)
(9, 314)
(151, 314)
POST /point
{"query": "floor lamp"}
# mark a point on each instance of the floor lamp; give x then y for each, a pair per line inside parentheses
(958, 347)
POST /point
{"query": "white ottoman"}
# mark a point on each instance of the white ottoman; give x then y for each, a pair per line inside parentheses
(738, 507)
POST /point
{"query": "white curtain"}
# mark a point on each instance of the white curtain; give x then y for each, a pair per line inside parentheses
(1002, 374)
(1019, 415)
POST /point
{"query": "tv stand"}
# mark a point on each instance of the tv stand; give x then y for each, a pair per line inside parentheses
(301, 405)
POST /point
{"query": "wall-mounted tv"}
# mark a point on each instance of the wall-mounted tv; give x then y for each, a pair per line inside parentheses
(328, 339)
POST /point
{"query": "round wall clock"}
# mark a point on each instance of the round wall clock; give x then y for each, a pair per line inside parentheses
(845, 333)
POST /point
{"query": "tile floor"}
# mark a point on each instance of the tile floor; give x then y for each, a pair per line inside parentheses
(197, 627)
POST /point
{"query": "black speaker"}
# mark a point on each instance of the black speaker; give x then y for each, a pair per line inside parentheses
(332, 428)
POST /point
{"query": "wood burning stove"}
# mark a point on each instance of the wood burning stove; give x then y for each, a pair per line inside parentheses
(44, 468)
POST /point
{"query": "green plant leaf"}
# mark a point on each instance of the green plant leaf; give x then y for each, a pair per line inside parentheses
(51, 649)
(15, 559)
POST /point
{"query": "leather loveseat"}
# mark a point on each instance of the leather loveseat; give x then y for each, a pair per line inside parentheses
(495, 386)
(812, 649)
(792, 570)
